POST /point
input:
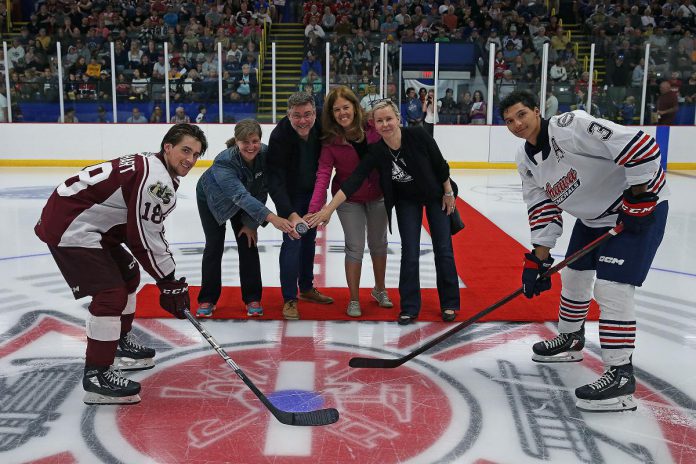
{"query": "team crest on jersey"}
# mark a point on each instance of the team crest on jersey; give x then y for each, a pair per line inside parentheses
(161, 192)
(565, 119)
(562, 189)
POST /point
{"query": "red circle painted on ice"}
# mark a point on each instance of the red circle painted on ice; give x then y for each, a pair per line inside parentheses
(200, 411)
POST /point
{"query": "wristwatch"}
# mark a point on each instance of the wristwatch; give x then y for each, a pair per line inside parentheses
(449, 194)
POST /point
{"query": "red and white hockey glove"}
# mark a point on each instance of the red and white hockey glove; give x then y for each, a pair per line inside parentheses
(636, 210)
(174, 296)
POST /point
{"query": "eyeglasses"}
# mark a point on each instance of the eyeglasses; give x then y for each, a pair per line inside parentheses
(298, 116)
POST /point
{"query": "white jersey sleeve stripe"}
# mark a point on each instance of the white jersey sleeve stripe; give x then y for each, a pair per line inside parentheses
(647, 156)
(544, 211)
(658, 181)
(632, 148)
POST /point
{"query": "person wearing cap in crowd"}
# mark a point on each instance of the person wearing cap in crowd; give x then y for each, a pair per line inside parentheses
(513, 38)
(493, 39)
(310, 63)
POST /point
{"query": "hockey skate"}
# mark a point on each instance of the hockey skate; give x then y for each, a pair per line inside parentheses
(612, 392)
(132, 356)
(565, 347)
(104, 385)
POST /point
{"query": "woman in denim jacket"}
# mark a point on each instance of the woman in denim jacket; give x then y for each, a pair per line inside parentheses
(234, 188)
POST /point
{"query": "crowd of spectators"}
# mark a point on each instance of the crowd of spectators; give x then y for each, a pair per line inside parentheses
(139, 30)
(354, 29)
(620, 32)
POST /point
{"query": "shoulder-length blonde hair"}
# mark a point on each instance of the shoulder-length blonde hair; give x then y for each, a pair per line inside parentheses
(331, 128)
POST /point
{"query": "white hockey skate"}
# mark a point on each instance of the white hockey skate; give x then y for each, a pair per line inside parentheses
(612, 392)
(132, 356)
(565, 347)
(104, 385)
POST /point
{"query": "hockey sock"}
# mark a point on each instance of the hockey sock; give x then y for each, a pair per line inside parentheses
(103, 326)
(617, 321)
(128, 313)
(576, 295)
(100, 353)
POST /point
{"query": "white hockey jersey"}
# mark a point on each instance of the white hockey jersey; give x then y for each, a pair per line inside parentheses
(125, 200)
(582, 165)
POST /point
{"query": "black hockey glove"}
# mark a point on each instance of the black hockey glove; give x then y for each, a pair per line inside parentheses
(533, 269)
(174, 296)
(636, 211)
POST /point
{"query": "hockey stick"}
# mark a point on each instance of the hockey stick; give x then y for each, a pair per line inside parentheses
(310, 418)
(391, 363)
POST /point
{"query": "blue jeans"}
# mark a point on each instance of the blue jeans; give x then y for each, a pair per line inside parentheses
(409, 216)
(297, 256)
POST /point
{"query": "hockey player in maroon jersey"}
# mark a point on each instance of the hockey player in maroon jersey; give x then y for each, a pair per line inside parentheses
(86, 222)
(602, 174)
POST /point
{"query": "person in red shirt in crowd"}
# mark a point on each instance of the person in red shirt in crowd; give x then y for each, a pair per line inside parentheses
(667, 104)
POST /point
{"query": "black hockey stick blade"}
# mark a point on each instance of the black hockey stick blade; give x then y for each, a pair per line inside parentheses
(381, 363)
(309, 418)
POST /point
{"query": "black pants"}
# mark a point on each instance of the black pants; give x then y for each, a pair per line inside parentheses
(249, 265)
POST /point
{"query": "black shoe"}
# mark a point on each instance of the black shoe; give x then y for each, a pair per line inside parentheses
(613, 391)
(448, 316)
(132, 356)
(565, 347)
(406, 318)
(104, 385)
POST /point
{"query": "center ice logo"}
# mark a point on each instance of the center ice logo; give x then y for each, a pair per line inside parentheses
(214, 416)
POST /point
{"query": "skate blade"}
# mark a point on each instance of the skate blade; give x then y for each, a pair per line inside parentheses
(96, 398)
(618, 404)
(568, 356)
(130, 364)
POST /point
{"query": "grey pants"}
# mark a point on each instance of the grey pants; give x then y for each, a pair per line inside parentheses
(355, 218)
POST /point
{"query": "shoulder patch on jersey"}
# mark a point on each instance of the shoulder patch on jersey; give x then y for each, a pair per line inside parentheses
(161, 192)
(565, 119)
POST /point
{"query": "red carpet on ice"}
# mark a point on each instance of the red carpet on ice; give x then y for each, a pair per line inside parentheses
(489, 262)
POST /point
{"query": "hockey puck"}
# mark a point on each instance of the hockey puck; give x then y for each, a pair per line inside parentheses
(301, 228)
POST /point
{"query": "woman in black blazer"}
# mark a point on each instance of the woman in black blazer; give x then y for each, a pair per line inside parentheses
(413, 175)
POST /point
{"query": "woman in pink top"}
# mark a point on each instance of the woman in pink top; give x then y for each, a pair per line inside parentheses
(346, 134)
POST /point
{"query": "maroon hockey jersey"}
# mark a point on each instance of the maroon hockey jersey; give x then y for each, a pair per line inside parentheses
(125, 200)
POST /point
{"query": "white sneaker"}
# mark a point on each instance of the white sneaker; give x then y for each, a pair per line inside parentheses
(354, 309)
(382, 298)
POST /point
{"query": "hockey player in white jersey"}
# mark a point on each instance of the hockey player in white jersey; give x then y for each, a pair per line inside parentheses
(85, 224)
(602, 174)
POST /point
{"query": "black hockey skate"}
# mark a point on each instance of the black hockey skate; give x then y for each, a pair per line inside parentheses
(612, 392)
(565, 347)
(104, 385)
(132, 356)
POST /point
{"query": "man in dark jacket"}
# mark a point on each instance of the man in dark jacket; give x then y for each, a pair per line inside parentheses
(293, 159)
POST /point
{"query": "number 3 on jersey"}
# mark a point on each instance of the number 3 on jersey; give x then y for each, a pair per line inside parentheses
(84, 179)
(603, 132)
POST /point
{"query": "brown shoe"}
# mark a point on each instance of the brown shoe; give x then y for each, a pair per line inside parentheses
(290, 310)
(315, 296)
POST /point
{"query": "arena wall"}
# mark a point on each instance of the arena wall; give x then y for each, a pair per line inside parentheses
(463, 146)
